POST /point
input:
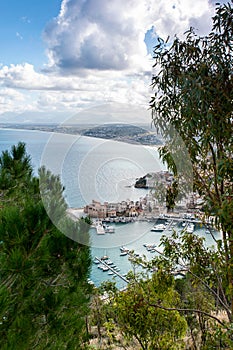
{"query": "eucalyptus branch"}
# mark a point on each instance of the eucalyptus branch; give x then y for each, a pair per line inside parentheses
(225, 306)
(203, 183)
(190, 310)
(221, 288)
(215, 173)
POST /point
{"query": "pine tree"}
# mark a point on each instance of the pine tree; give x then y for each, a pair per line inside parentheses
(44, 292)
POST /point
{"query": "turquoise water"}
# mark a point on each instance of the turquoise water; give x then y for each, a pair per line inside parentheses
(92, 168)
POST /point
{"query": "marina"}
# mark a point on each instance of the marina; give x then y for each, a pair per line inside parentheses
(130, 242)
(115, 178)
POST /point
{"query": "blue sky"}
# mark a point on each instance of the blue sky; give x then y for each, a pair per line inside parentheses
(68, 55)
(21, 26)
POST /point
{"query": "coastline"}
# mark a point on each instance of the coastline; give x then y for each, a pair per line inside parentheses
(79, 134)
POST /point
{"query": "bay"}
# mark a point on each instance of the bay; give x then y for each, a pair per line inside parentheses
(103, 170)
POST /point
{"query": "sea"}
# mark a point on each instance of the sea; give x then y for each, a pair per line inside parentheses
(103, 170)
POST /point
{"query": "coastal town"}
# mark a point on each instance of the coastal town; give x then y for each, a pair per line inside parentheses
(153, 203)
(150, 207)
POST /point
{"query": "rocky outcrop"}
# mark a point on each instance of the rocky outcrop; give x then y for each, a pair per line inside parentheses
(141, 182)
(151, 179)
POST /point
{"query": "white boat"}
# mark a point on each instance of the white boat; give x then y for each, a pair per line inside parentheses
(100, 229)
(158, 228)
(104, 257)
(123, 253)
(149, 246)
(109, 229)
(108, 262)
(190, 228)
(124, 249)
(105, 268)
(101, 266)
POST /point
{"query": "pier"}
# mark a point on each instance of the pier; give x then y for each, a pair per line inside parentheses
(170, 219)
(112, 269)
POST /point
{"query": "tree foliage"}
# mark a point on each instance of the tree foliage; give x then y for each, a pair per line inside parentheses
(193, 94)
(136, 314)
(44, 290)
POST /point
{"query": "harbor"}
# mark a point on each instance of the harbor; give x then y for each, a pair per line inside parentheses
(164, 224)
(139, 233)
(130, 241)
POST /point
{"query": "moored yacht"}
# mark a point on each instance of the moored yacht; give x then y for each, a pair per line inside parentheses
(190, 228)
(158, 228)
(100, 228)
(109, 229)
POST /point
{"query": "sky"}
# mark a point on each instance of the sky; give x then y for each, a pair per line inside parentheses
(61, 57)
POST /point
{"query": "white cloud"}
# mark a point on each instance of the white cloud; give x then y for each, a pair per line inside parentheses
(15, 101)
(72, 93)
(97, 53)
(109, 35)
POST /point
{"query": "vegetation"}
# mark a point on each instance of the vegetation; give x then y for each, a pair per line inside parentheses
(44, 294)
(193, 93)
(130, 319)
(44, 291)
(192, 109)
(193, 97)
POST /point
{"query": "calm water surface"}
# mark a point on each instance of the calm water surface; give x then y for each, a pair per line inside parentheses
(98, 169)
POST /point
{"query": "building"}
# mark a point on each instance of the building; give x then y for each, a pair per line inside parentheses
(96, 210)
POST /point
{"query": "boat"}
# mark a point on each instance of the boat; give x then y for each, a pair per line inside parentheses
(108, 262)
(190, 228)
(111, 273)
(158, 228)
(104, 257)
(123, 253)
(124, 249)
(149, 246)
(105, 268)
(122, 220)
(95, 261)
(109, 229)
(101, 266)
(149, 249)
(100, 229)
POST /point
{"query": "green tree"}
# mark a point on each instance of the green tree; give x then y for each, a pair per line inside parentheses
(193, 94)
(44, 290)
(200, 288)
(136, 313)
